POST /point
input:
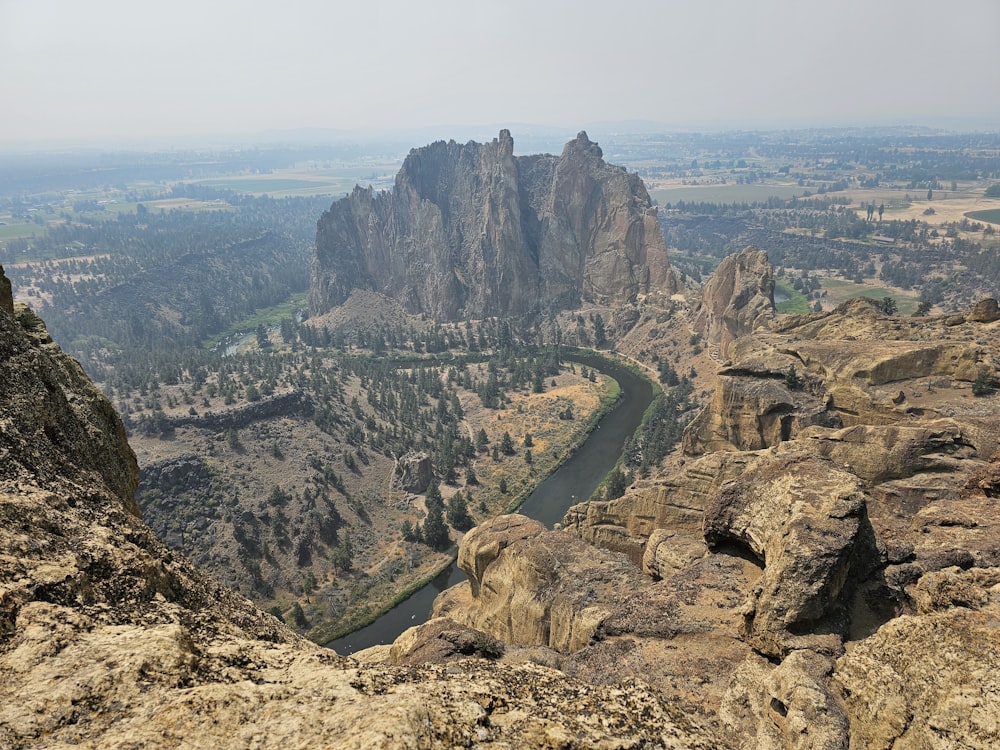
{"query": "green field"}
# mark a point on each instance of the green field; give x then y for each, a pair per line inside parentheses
(269, 317)
(840, 291)
(277, 186)
(724, 193)
(991, 215)
(17, 229)
(796, 302)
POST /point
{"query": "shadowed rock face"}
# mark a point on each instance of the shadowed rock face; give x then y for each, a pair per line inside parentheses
(471, 231)
(805, 521)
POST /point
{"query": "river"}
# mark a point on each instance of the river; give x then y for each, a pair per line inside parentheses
(572, 482)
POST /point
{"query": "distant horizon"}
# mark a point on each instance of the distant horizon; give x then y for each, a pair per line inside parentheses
(307, 136)
(116, 74)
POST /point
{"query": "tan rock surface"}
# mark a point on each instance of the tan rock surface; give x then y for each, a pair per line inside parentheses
(788, 706)
(926, 681)
(806, 521)
(666, 552)
(442, 640)
(536, 589)
(871, 493)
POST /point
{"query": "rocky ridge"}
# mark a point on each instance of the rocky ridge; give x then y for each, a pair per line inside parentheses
(472, 231)
(108, 639)
(821, 555)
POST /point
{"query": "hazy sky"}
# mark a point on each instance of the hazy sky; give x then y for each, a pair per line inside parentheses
(73, 70)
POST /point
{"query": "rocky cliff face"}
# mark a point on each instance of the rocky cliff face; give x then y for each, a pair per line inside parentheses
(471, 231)
(737, 299)
(110, 640)
(822, 557)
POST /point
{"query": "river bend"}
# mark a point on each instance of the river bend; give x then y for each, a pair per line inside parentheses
(575, 479)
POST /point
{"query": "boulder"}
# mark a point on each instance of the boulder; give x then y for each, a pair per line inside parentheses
(532, 587)
(442, 640)
(930, 680)
(806, 522)
(788, 706)
(985, 311)
(413, 472)
(667, 552)
(483, 544)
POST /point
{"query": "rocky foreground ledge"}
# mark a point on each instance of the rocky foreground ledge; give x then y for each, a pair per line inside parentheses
(110, 640)
(820, 568)
(822, 556)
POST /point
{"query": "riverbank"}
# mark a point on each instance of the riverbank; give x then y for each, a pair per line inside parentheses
(577, 477)
(552, 447)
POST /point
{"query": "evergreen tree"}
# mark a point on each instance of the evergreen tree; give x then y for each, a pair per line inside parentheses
(984, 384)
(458, 512)
(792, 379)
(600, 337)
(507, 444)
(410, 532)
(888, 306)
(299, 617)
(433, 493)
(435, 532)
(616, 484)
(343, 554)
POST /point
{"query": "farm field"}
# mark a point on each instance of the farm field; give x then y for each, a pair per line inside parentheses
(299, 182)
(991, 215)
(839, 291)
(664, 193)
(790, 301)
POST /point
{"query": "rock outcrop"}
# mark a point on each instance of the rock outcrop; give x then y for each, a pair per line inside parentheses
(535, 587)
(737, 299)
(822, 551)
(471, 231)
(413, 472)
(108, 639)
(805, 521)
(442, 640)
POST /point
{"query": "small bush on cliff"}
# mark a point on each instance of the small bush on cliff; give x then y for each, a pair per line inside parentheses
(985, 383)
(792, 379)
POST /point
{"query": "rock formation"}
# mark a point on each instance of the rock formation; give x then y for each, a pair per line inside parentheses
(535, 587)
(822, 551)
(108, 639)
(471, 231)
(737, 299)
(413, 472)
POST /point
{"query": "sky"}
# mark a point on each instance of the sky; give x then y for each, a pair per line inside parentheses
(74, 71)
